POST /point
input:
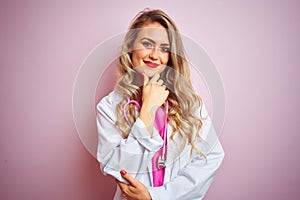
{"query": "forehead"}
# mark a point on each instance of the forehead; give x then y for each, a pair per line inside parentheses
(153, 31)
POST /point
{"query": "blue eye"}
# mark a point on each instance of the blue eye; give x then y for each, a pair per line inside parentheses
(147, 44)
(166, 49)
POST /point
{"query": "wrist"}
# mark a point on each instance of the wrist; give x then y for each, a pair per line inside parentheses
(147, 116)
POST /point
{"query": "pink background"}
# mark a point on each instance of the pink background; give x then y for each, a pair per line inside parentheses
(255, 46)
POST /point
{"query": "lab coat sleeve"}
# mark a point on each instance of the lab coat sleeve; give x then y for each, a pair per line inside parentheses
(193, 180)
(114, 152)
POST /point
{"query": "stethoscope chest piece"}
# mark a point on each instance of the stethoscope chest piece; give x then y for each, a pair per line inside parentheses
(161, 162)
(161, 159)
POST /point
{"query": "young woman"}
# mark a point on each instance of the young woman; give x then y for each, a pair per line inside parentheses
(152, 127)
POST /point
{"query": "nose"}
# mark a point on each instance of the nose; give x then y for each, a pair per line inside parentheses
(154, 54)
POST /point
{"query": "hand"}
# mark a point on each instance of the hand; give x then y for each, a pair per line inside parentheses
(135, 190)
(154, 93)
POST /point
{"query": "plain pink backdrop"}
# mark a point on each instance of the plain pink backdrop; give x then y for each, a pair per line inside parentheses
(255, 46)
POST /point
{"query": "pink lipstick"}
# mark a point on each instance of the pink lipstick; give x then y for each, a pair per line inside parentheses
(151, 64)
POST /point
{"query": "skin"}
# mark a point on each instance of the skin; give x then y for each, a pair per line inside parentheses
(135, 190)
(152, 44)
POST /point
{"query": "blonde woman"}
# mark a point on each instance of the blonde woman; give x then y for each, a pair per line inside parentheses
(152, 127)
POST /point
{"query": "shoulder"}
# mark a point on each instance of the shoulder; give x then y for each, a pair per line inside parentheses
(110, 101)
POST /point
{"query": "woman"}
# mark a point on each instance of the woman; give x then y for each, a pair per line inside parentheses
(152, 127)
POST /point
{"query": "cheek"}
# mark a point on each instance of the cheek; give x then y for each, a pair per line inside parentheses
(138, 55)
(165, 58)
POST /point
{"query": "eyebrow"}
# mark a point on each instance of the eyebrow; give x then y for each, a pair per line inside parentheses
(163, 44)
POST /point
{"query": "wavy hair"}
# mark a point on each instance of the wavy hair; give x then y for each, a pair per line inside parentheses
(183, 100)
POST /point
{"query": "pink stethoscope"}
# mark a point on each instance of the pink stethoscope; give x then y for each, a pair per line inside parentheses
(162, 158)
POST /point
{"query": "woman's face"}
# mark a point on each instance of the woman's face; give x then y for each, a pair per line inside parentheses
(151, 49)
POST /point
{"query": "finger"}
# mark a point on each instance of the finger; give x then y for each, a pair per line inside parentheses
(155, 83)
(124, 196)
(167, 93)
(146, 79)
(160, 82)
(132, 181)
(122, 185)
(155, 78)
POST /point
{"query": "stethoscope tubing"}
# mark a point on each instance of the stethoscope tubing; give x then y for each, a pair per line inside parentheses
(129, 101)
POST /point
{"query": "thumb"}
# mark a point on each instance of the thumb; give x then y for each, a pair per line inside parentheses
(132, 181)
(146, 79)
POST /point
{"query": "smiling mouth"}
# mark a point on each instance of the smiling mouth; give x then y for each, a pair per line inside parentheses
(151, 64)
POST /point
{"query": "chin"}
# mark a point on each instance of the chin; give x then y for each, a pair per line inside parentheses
(151, 73)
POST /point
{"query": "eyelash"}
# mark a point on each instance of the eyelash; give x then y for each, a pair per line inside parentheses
(166, 49)
(149, 45)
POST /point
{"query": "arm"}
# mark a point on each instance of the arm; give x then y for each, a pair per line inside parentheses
(114, 152)
(134, 153)
(193, 181)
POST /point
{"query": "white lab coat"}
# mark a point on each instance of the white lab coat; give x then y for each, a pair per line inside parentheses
(187, 177)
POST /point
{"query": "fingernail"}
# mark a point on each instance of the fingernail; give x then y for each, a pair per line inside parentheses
(123, 172)
(143, 74)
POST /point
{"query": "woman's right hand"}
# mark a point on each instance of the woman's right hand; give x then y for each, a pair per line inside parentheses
(154, 95)
(154, 92)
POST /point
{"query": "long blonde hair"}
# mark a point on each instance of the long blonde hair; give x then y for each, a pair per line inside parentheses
(183, 100)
